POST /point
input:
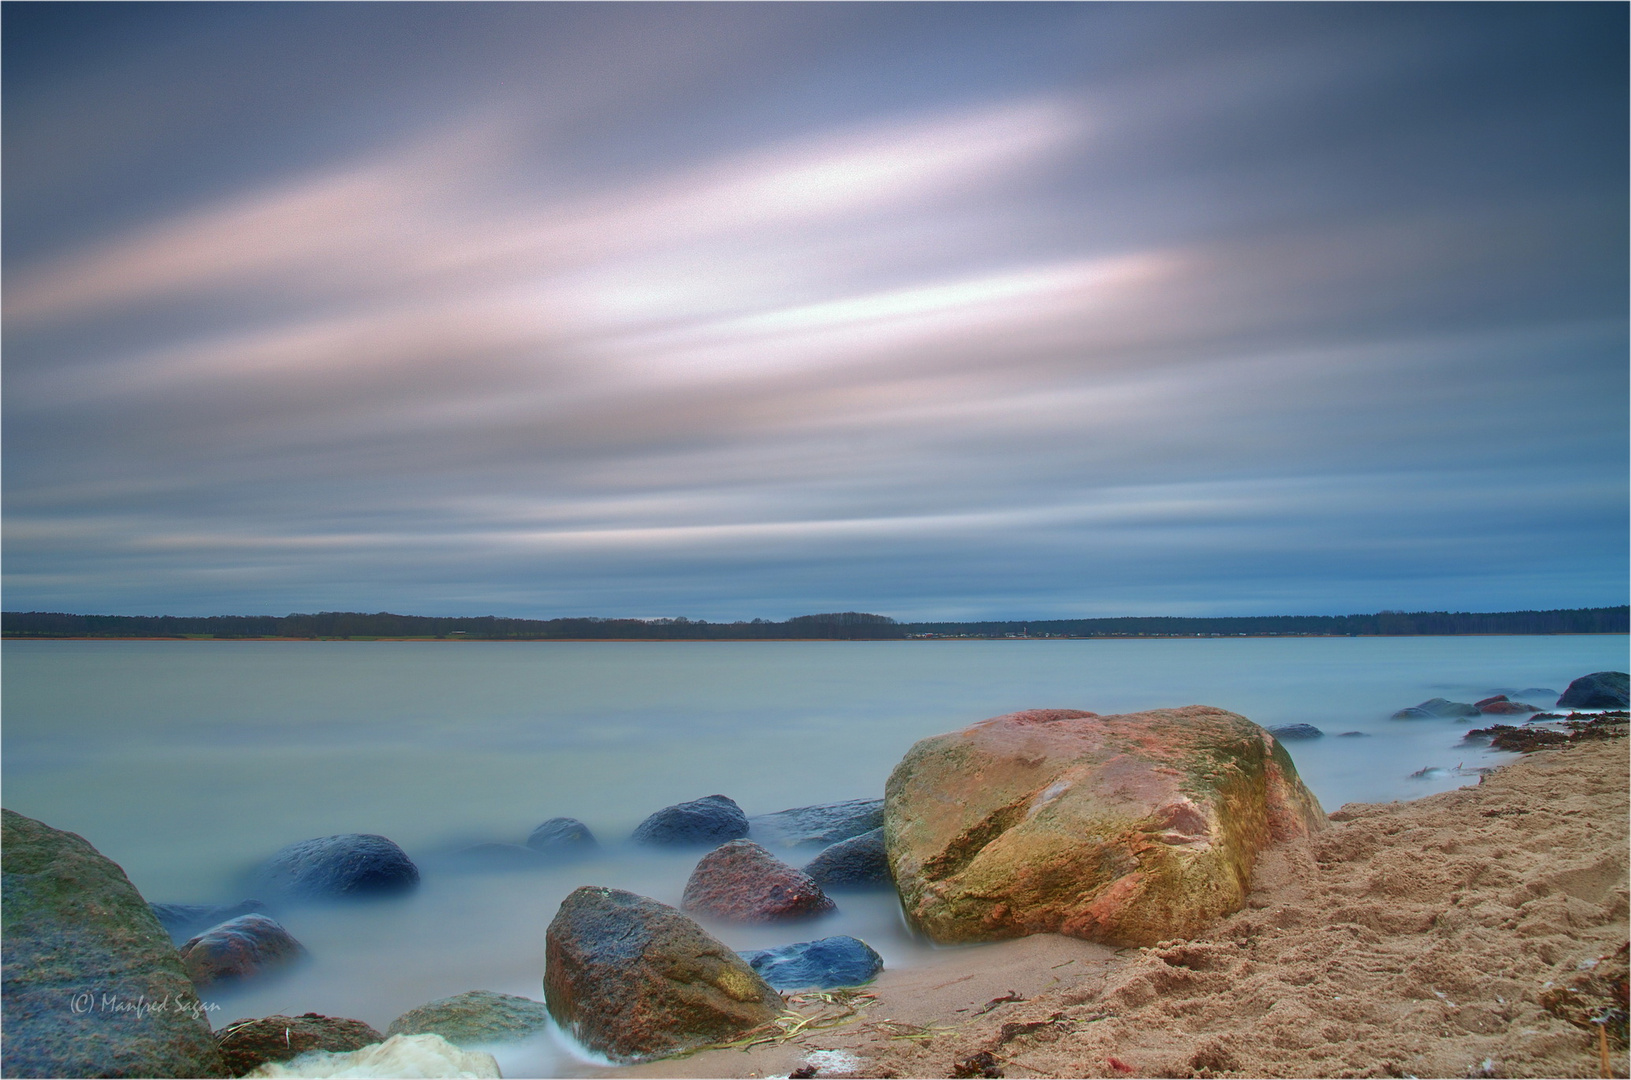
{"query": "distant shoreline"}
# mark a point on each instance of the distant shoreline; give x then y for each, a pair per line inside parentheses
(203, 639)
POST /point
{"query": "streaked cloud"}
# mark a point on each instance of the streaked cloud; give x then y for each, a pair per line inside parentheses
(1209, 320)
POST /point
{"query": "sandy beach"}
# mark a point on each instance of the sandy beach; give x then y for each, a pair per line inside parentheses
(1422, 938)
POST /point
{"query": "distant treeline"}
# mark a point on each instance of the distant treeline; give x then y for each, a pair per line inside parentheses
(845, 626)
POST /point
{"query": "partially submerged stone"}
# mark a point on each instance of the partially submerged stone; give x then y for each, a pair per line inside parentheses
(1123, 829)
(239, 949)
(477, 1016)
(825, 964)
(744, 882)
(185, 920)
(861, 862)
(705, 822)
(248, 1044)
(634, 979)
(1599, 690)
(400, 1056)
(1296, 731)
(347, 866)
(563, 838)
(92, 983)
(817, 826)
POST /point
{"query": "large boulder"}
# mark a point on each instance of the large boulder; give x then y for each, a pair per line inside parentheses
(708, 821)
(825, 964)
(1123, 829)
(348, 866)
(817, 826)
(861, 862)
(249, 1044)
(477, 1016)
(742, 881)
(92, 983)
(400, 1055)
(239, 949)
(1599, 690)
(563, 838)
(634, 979)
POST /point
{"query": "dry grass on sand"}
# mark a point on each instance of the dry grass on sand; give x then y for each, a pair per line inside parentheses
(1413, 939)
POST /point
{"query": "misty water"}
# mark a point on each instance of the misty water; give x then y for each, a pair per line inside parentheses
(190, 762)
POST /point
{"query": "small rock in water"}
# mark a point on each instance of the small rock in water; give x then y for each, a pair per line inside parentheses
(185, 920)
(1444, 708)
(1354, 735)
(1501, 705)
(1413, 713)
(825, 964)
(347, 866)
(249, 1044)
(563, 837)
(239, 949)
(742, 881)
(709, 821)
(478, 1016)
(817, 826)
(1296, 731)
(400, 1055)
(635, 980)
(857, 863)
(1599, 690)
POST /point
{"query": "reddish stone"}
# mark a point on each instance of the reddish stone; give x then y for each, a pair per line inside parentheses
(743, 881)
(1490, 701)
(1505, 708)
(237, 949)
(249, 1044)
(1123, 829)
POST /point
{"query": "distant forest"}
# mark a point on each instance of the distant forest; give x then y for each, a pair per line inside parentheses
(845, 626)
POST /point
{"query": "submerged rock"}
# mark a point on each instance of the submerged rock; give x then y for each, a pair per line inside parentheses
(1599, 690)
(249, 1044)
(1296, 731)
(563, 837)
(825, 964)
(1413, 713)
(634, 979)
(351, 865)
(817, 826)
(742, 881)
(1445, 709)
(1353, 735)
(478, 1016)
(238, 949)
(87, 967)
(1123, 829)
(710, 820)
(400, 1055)
(1503, 707)
(185, 920)
(857, 863)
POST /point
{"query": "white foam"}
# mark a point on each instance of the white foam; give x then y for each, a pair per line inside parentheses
(411, 1057)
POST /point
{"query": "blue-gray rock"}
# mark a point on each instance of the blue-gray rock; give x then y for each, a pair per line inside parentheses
(1413, 713)
(1599, 690)
(239, 949)
(817, 826)
(92, 983)
(563, 838)
(857, 863)
(825, 964)
(1354, 735)
(1444, 708)
(185, 920)
(709, 821)
(1296, 731)
(348, 866)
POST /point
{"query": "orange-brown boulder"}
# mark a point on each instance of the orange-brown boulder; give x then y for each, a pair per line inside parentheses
(1124, 829)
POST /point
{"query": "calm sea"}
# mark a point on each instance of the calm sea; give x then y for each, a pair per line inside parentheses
(189, 762)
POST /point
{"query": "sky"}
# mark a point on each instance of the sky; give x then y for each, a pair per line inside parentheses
(939, 311)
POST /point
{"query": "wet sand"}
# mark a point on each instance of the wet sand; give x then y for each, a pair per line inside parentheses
(1413, 939)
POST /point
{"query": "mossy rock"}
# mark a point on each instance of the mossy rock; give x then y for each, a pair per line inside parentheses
(478, 1016)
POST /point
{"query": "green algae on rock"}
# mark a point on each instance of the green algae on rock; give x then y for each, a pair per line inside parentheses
(93, 984)
(1127, 829)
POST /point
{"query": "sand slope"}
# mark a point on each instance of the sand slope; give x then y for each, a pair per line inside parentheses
(1413, 939)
